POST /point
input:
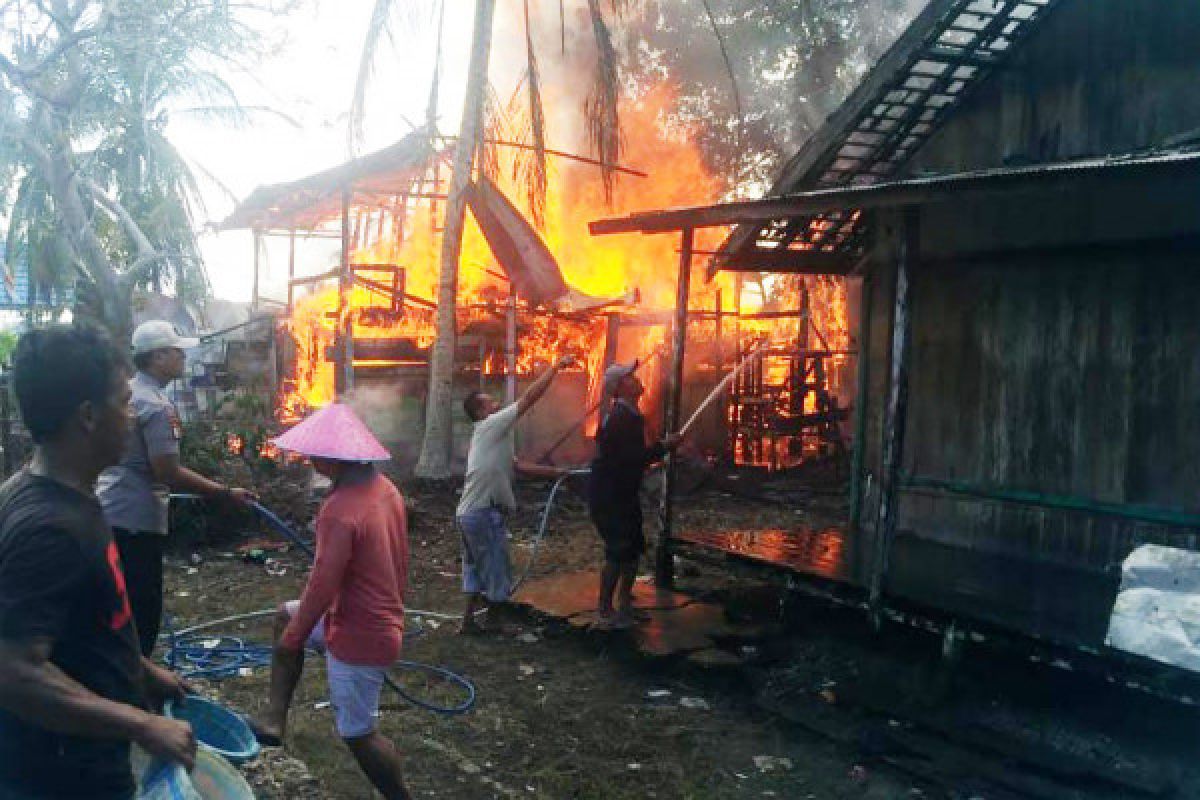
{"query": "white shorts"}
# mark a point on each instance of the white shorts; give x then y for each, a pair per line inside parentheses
(353, 689)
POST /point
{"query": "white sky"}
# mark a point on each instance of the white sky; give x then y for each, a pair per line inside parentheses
(312, 81)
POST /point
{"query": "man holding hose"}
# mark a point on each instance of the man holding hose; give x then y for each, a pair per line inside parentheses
(135, 493)
(488, 495)
(614, 492)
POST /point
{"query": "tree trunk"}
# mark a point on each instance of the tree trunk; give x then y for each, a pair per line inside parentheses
(113, 298)
(439, 416)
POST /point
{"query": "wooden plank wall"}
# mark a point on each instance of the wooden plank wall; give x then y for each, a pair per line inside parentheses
(1062, 375)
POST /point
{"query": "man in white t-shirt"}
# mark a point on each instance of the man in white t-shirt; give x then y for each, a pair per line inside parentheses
(488, 496)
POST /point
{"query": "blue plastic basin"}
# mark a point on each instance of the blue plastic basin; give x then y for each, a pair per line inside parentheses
(217, 728)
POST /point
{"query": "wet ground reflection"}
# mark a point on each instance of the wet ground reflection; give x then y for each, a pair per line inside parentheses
(803, 549)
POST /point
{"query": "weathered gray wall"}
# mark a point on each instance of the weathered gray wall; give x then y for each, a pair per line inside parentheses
(1099, 77)
(1056, 337)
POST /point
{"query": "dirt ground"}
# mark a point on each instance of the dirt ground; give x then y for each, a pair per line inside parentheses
(824, 710)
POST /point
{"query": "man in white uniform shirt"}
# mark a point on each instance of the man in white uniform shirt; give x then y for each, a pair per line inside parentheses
(488, 497)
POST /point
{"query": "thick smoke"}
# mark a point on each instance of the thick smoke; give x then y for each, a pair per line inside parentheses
(794, 62)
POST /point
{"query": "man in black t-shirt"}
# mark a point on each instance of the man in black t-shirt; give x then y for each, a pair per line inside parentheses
(73, 683)
(614, 492)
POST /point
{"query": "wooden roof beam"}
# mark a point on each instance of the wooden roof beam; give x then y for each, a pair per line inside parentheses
(795, 262)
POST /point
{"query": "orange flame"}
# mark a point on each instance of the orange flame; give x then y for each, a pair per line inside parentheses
(599, 266)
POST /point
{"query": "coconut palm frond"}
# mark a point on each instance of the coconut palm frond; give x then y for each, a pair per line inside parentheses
(236, 115)
(431, 108)
(495, 125)
(733, 84)
(621, 7)
(535, 186)
(376, 28)
(601, 108)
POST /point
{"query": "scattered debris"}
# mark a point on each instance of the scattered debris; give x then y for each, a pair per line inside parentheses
(772, 763)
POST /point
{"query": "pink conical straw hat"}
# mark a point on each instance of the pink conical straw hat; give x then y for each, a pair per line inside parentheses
(335, 433)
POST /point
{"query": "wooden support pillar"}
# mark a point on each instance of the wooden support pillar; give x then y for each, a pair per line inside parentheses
(664, 560)
(719, 337)
(291, 290)
(345, 320)
(510, 347)
(860, 405)
(612, 333)
(897, 410)
(258, 243)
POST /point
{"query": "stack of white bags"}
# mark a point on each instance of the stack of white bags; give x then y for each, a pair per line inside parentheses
(1157, 613)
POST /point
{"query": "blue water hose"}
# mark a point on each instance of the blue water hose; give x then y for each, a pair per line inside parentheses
(283, 528)
(545, 521)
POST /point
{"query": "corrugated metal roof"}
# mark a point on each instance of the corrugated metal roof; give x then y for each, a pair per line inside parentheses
(951, 48)
(306, 203)
(850, 200)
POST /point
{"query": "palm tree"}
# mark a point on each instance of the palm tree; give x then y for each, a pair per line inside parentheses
(601, 111)
(99, 197)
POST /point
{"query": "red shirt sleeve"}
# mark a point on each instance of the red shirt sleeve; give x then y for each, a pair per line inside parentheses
(335, 542)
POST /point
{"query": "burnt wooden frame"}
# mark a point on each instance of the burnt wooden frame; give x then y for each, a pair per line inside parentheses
(1097, 175)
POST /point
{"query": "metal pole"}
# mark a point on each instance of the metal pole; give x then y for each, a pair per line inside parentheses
(897, 412)
(345, 285)
(664, 565)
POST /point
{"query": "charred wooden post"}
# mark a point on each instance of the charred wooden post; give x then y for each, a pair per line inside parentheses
(897, 409)
(612, 332)
(510, 348)
(344, 375)
(664, 563)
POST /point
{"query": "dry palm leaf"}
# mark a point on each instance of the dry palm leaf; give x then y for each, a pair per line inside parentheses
(535, 175)
(601, 110)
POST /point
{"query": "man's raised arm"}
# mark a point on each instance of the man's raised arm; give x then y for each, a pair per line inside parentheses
(539, 387)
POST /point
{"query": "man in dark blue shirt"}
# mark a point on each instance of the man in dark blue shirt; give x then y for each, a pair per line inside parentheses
(614, 492)
(73, 683)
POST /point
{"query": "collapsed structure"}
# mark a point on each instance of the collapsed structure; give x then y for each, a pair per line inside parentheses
(1014, 185)
(528, 295)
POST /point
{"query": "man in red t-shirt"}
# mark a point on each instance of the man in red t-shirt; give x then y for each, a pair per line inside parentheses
(352, 608)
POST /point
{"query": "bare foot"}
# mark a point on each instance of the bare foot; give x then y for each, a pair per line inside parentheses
(624, 620)
(267, 735)
(603, 621)
(470, 627)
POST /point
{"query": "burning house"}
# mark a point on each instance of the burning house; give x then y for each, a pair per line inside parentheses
(363, 327)
(1014, 187)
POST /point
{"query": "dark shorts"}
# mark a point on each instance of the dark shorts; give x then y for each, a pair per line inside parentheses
(142, 562)
(620, 527)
